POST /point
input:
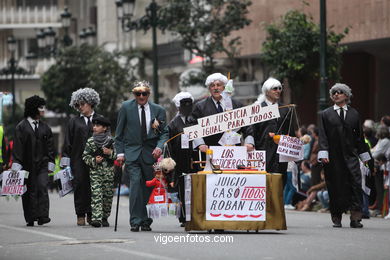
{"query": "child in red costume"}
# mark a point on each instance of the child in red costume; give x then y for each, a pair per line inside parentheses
(159, 193)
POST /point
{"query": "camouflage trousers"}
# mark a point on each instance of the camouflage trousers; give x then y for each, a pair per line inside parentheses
(102, 184)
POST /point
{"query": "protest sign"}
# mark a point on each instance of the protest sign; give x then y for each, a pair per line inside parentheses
(229, 157)
(64, 181)
(13, 183)
(290, 149)
(229, 120)
(236, 197)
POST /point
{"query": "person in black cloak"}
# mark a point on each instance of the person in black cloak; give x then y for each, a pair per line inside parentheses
(180, 148)
(33, 151)
(341, 145)
(78, 130)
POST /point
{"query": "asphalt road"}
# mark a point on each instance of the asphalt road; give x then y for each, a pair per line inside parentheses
(309, 236)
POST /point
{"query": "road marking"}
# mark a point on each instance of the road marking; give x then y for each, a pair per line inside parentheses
(74, 240)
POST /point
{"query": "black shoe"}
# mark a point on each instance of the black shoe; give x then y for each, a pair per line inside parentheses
(134, 228)
(146, 228)
(355, 224)
(89, 218)
(105, 223)
(95, 223)
(366, 216)
(43, 220)
(30, 224)
(337, 225)
(182, 224)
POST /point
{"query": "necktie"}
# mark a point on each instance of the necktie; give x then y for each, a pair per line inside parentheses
(186, 121)
(219, 107)
(342, 114)
(143, 123)
(36, 128)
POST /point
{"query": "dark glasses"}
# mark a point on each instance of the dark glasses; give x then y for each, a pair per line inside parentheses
(141, 93)
(338, 92)
(276, 88)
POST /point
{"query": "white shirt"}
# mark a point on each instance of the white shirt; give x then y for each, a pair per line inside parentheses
(147, 115)
(31, 121)
(337, 108)
(86, 118)
(221, 103)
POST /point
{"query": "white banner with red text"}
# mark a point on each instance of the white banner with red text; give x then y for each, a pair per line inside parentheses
(238, 197)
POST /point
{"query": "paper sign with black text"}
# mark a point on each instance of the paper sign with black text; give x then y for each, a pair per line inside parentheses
(236, 197)
(229, 157)
(13, 183)
(229, 120)
(290, 149)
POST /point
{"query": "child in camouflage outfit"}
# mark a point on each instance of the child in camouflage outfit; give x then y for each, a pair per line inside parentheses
(99, 155)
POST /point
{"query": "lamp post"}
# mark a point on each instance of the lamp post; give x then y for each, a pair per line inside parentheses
(65, 20)
(11, 43)
(322, 101)
(125, 10)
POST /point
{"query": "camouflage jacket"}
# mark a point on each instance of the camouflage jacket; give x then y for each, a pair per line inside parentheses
(90, 153)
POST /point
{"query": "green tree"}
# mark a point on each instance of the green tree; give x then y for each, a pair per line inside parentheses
(204, 26)
(292, 46)
(108, 73)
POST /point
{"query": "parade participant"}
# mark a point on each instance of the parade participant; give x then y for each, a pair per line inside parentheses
(180, 148)
(99, 155)
(341, 143)
(78, 130)
(33, 151)
(160, 185)
(217, 103)
(140, 136)
(263, 131)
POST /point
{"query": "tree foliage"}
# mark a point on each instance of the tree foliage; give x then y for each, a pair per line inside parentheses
(204, 25)
(93, 67)
(292, 46)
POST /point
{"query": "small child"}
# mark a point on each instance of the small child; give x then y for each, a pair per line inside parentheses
(99, 155)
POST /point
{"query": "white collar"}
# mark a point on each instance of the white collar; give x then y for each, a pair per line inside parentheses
(91, 115)
(31, 121)
(215, 101)
(146, 106)
(269, 103)
(336, 107)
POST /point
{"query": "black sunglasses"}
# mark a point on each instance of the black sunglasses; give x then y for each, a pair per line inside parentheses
(338, 92)
(141, 93)
(276, 88)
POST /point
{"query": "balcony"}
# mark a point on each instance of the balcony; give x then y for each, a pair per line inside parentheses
(34, 17)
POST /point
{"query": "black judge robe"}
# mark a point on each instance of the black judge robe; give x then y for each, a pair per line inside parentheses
(181, 156)
(76, 136)
(344, 143)
(263, 141)
(34, 152)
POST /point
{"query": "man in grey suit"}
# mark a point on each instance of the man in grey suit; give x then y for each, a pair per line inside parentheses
(140, 136)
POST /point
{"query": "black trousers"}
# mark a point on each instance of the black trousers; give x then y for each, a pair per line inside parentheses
(81, 190)
(36, 199)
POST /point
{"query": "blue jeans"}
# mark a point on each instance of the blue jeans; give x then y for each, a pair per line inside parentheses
(365, 205)
(289, 190)
(323, 196)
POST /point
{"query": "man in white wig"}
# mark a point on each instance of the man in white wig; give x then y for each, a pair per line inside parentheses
(341, 144)
(271, 93)
(78, 130)
(180, 148)
(217, 103)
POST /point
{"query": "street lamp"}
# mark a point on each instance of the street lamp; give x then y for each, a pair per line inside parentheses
(11, 43)
(125, 10)
(65, 20)
(322, 101)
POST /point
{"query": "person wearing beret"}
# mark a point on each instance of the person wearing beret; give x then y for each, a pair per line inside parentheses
(99, 155)
(140, 136)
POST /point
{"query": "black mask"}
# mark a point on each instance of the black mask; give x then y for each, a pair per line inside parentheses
(185, 108)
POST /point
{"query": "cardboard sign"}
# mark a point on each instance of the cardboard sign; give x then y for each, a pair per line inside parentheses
(239, 197)
(290, 149)
(229, 157)
(13, 183)
(64, 181)
(229, 120)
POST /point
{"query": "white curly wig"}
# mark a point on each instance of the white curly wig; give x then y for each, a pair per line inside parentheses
(87, 95)
(342, 88)
(214, 77)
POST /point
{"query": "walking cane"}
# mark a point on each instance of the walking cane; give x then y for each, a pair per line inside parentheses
(118, 196)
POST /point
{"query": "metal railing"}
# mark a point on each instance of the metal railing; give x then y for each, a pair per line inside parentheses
(34, 15)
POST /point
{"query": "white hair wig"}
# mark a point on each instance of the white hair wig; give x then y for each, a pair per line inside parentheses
(214, 77)
(167, 165)
(267, 86)
(87, 95)
(181, 95)
(342, 88)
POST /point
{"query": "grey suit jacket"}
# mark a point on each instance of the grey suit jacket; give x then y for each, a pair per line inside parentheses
(128, 138)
